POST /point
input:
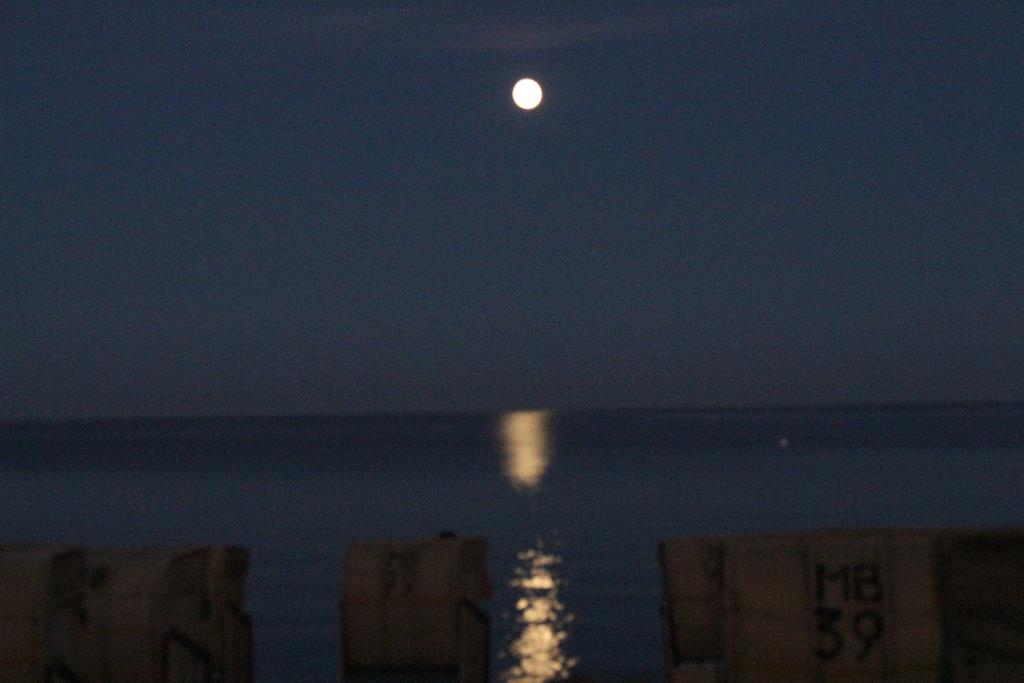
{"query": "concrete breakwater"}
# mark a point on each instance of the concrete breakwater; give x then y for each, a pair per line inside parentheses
(832, 605)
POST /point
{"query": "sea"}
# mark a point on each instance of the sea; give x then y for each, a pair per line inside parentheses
(574, 502)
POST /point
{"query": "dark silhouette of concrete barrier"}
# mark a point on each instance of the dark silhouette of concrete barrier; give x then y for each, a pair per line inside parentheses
(124, 615)
(880, 605)
(409, 610)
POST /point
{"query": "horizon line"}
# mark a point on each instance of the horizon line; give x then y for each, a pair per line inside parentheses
(735, 408)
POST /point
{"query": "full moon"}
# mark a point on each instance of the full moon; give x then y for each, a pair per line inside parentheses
(527, 94)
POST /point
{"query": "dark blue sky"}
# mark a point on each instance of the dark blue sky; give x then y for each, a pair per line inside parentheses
(313, 208)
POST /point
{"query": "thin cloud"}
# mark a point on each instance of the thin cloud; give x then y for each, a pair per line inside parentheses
(547, 32)
(186, 41)
(445, 28)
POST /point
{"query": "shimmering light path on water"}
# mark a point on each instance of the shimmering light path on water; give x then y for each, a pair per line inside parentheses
(541, 620)
(538, 629)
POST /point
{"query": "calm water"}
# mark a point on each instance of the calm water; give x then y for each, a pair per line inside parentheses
(597, 489)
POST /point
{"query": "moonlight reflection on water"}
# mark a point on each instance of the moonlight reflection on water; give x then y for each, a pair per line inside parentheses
(541, 619)
(525, 440)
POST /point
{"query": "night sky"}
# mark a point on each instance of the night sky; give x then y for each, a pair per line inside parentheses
(337, 208)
